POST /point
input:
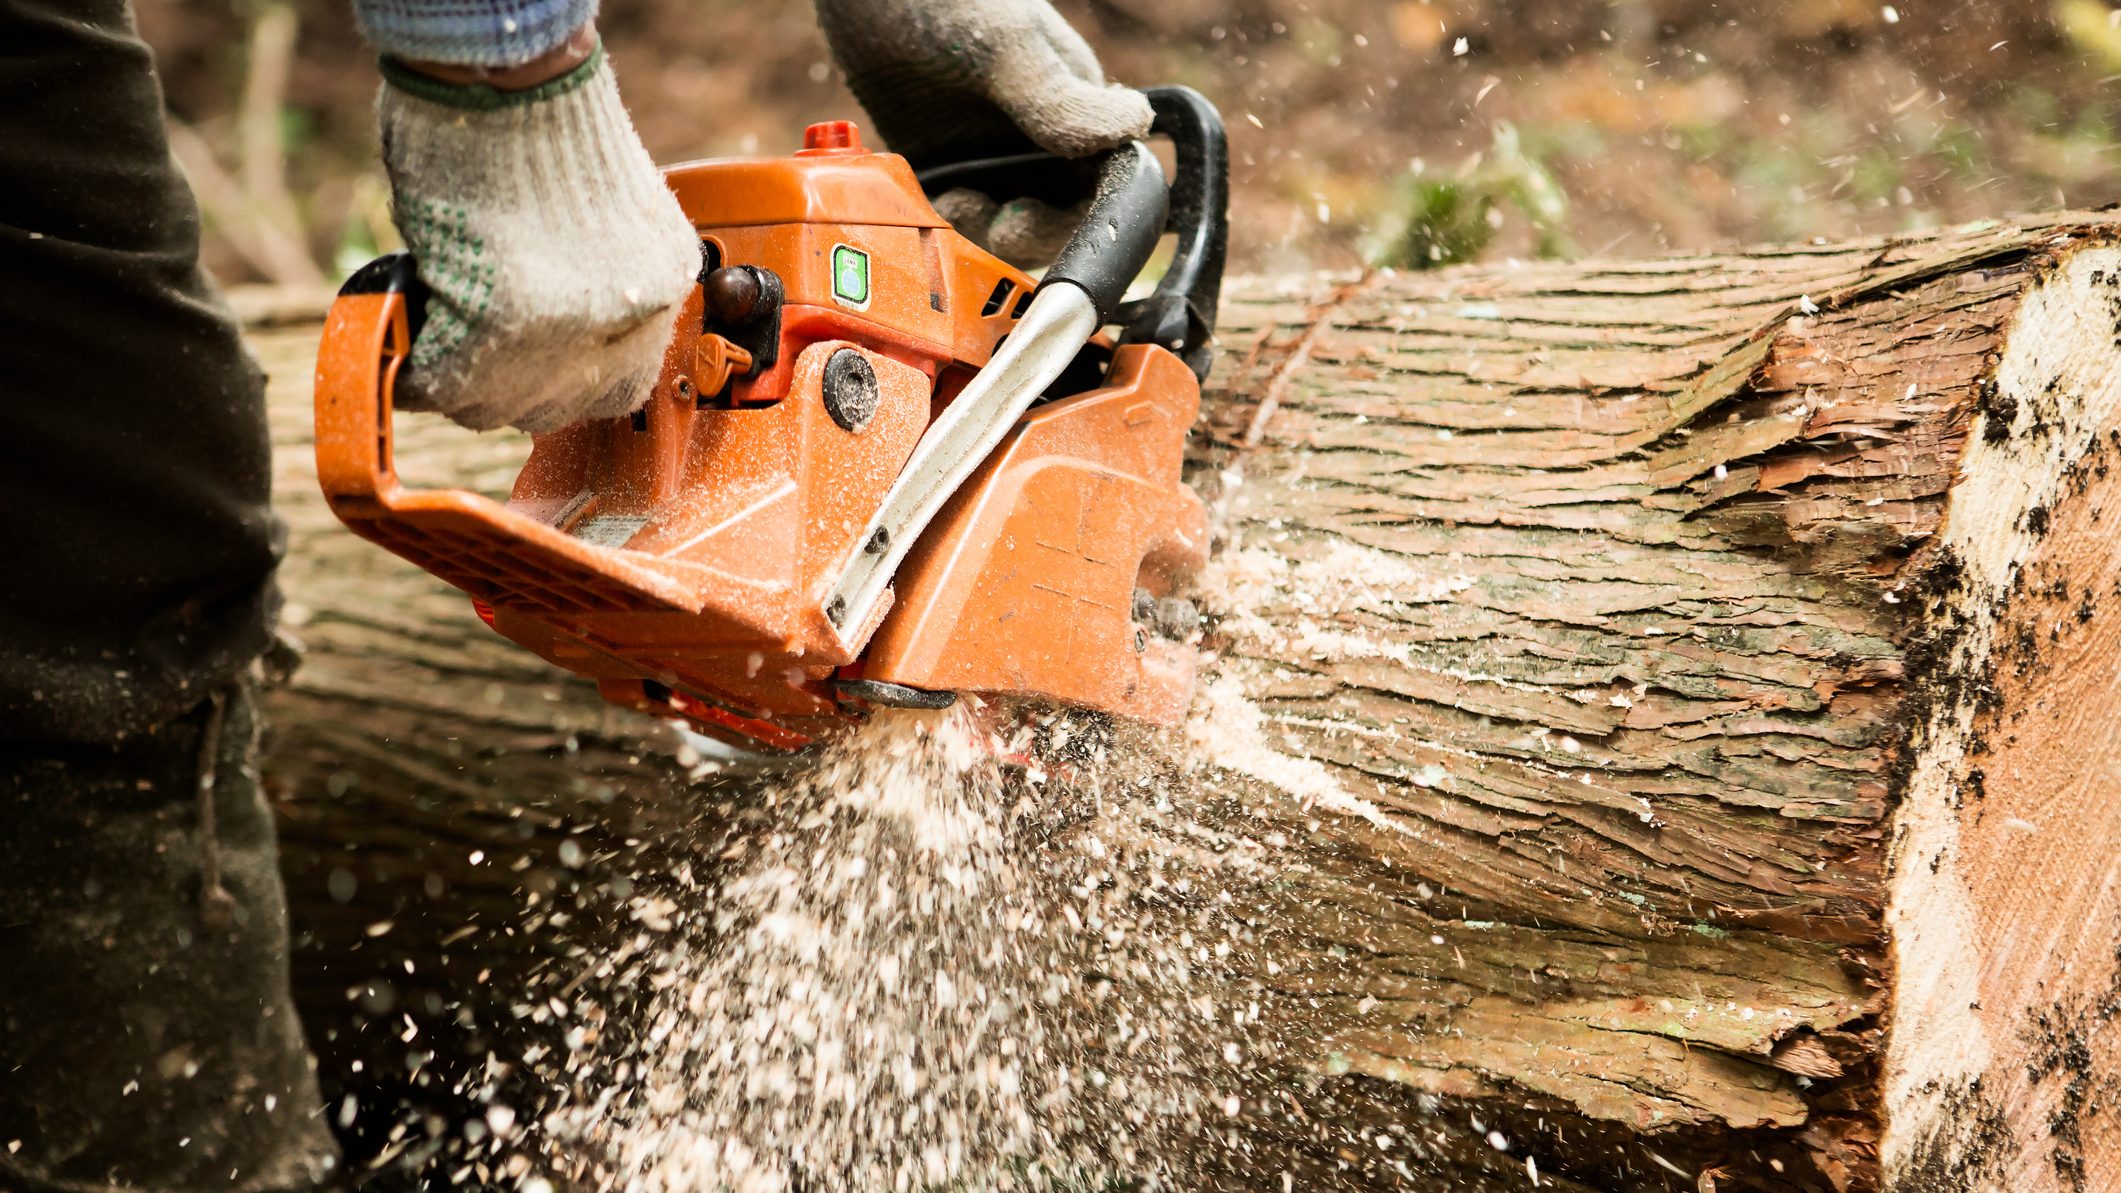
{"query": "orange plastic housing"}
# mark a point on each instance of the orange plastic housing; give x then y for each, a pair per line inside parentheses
(680, 558)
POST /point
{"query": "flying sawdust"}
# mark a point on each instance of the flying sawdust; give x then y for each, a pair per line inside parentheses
(914, 968)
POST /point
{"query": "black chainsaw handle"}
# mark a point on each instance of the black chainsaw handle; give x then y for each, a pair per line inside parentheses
(1119, 231)
(1181, 314)
(393, 273)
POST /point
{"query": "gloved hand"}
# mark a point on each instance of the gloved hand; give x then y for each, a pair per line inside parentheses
(952, 80)
(555, 255)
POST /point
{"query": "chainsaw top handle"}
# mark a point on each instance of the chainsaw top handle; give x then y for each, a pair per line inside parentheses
(1181, 314)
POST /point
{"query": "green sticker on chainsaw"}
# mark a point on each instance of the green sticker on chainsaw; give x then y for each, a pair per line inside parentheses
(850, 276)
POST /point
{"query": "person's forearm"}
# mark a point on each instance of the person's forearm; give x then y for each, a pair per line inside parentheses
(505, 44)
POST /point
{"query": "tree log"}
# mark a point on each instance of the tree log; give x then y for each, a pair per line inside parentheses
(1674, 698)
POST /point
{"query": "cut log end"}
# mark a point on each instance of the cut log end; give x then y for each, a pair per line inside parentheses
(2006, 889)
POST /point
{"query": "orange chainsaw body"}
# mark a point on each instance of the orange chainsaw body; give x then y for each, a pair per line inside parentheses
(681, 557)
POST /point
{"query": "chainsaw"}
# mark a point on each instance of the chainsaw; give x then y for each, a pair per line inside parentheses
(880, 467)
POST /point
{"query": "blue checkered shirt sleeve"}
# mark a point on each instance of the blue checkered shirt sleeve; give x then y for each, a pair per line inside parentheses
(490, 33)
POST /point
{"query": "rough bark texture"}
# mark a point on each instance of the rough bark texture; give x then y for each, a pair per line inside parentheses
(1679, 688)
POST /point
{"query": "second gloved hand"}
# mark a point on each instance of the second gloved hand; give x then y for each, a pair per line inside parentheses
(954, 80)
(555, 256)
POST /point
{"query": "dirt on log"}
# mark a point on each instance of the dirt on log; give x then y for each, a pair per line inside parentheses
(1683, 691)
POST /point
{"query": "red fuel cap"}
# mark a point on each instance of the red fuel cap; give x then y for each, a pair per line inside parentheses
(832, 137)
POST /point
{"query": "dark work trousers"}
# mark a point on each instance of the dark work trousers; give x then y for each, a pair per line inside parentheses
(136, 545)
(147, 1037)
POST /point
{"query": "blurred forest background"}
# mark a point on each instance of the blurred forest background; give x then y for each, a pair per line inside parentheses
(1401, 132)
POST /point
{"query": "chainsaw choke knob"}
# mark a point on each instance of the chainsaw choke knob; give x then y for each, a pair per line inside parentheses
(733, 293)
(850, 389)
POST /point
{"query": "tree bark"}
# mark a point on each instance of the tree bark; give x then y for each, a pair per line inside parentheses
(1675, 698)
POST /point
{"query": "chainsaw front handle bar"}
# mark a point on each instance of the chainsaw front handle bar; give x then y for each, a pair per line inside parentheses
(1181, 314)
(1119, 232)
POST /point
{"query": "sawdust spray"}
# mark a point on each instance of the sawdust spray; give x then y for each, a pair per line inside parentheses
(909, 967)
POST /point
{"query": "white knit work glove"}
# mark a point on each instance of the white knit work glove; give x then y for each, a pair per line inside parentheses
(555, 256)
(953, 80)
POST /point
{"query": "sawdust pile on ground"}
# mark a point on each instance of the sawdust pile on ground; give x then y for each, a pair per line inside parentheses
(912, 968)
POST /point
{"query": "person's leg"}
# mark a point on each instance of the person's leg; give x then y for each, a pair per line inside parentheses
(147, 1040)
(136, 545)
(147, 1037)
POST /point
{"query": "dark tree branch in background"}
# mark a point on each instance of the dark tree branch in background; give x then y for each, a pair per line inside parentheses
(252, 208)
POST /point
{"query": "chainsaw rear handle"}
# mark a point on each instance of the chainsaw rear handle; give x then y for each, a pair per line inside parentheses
(365, 345)
(1181, 314)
